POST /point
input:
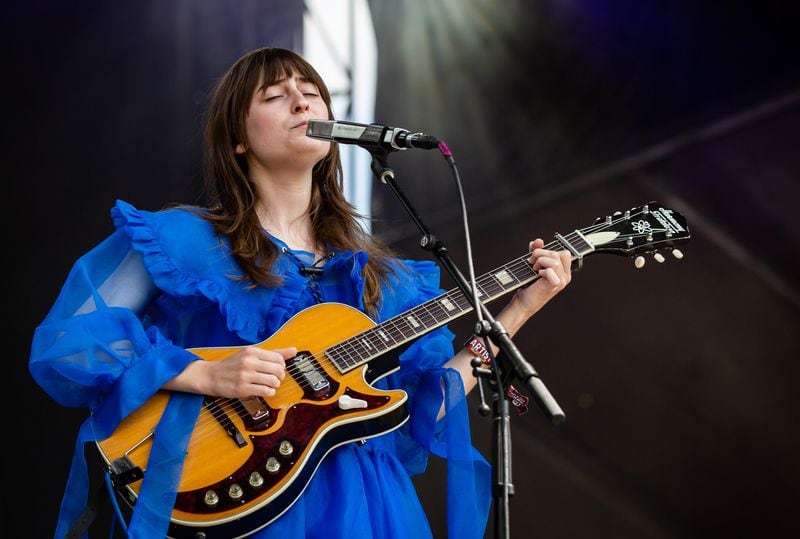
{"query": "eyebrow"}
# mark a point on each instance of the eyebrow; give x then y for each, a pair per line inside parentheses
(298, 78)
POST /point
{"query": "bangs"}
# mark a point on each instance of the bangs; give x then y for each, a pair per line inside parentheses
(278, 64)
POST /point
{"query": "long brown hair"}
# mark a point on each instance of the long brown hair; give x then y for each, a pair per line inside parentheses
(335, 221)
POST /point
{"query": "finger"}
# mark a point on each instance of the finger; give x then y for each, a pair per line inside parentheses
(287, 353)
(538, 243)
(279, 355)
(268, 380)
(550, 275)
(272, 364)
(546, 261)
(264, 391)
(566, 262)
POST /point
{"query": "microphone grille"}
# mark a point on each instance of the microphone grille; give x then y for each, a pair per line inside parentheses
(320, 128)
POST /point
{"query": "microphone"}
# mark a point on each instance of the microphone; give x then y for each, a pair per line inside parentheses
(370, 135)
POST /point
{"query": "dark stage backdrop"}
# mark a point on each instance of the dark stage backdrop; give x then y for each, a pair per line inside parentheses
(678, 380)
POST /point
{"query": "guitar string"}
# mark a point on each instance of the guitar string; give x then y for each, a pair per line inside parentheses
(336, 350)
(237, 405)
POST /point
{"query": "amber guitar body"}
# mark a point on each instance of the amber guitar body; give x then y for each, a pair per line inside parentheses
(311, 422)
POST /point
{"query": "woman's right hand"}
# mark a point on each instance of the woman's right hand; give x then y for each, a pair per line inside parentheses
(250, 372)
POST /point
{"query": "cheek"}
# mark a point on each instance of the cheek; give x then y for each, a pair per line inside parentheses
(258, 130)
(319, 111)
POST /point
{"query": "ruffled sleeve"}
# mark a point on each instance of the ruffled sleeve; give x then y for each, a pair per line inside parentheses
(423, 377)
(189, 262)
(93, 350)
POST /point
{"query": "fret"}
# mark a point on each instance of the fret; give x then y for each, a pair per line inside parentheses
(364, 341)
(522, 270)
(344, 353)
(448, 305)
(334, 357)
(385, 337)
(581, 243)
(430, 315)
(394, 330)
(377, 342)
(576, 244)
(413, 321)
(504, 278)
(463, 302)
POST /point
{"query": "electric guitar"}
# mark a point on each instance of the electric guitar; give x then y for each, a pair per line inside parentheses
(248, 460)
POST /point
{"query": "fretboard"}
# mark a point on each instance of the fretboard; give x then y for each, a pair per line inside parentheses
(439, 311)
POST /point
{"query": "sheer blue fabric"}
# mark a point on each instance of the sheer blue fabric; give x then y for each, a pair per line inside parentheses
(160, 284)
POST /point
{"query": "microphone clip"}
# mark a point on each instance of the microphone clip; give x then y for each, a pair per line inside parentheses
(305, 271)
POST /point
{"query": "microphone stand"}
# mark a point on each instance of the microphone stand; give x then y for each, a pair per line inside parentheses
(511, 362)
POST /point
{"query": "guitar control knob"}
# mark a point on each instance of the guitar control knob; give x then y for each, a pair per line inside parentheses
(677, 253)
(256, 479)
(211, 498)
(235, 491)
(659, 258)
(285, 448)
(273, 465)
(639, 262)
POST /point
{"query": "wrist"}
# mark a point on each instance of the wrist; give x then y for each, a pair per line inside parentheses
(515, 313)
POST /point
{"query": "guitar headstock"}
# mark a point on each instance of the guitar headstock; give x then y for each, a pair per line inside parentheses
(649, 228)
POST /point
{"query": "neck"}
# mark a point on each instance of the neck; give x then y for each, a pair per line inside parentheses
(283, 211)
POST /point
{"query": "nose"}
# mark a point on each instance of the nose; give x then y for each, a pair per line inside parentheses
(301, 104)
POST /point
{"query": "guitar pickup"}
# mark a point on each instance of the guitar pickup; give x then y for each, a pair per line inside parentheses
(255, 408)
(308, 375)
(225, 422)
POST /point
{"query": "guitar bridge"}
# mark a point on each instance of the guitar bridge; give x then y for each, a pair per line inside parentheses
(212, 405)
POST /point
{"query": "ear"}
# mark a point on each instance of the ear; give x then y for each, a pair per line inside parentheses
(240, 149)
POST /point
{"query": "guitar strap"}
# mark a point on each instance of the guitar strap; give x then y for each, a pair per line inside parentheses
(96, 504)
(123, 472)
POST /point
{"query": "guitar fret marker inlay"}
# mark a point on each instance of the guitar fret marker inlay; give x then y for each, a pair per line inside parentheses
(447, 304)
(412, 321)
(503, 277)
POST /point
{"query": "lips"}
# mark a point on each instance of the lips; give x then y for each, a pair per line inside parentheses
(301, 124)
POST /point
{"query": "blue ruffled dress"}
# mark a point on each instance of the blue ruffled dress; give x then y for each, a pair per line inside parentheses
(160, 284)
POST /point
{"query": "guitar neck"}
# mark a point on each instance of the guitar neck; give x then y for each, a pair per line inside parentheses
(411, 324)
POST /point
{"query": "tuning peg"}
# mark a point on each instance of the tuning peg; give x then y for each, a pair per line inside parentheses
(639, 262)
(677, 253)
(659, 258)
